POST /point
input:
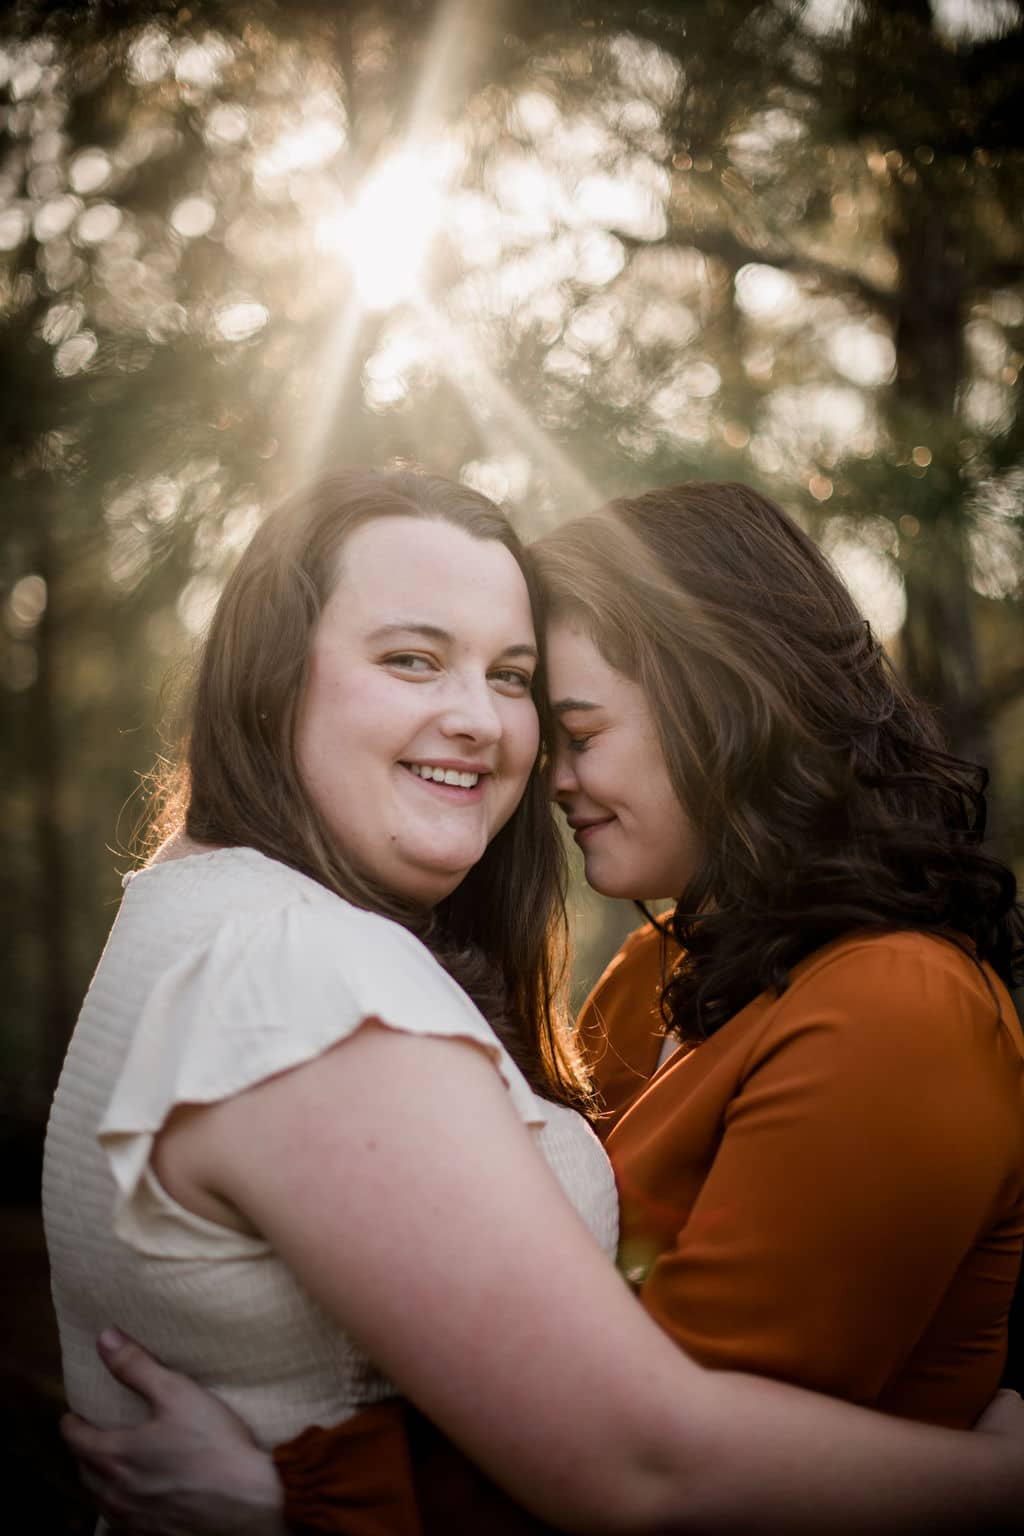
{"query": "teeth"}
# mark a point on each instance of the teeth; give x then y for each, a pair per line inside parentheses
(445, 775)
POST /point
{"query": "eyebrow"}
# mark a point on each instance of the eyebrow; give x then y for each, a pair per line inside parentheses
(566, 706)
(445, 636)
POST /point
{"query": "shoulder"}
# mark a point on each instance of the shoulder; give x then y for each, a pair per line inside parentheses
(620, 1025)
(252, 968)
(649, 952)
(915, 966)
(265, 944)
(898, 1038)
(239, 893)
(885, 996)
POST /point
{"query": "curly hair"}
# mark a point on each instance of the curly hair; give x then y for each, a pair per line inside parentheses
(502, 933)
(822, 794)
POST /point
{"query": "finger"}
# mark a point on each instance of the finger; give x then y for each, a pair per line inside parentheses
(94, 1483)
(133, 1366)
(114, 1504)
(87, 1442)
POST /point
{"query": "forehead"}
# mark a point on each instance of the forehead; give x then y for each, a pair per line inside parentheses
(398, 567)
(575, 665)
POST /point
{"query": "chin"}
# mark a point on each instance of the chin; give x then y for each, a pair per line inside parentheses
(607, 885)
(619, 887)
(433, 888)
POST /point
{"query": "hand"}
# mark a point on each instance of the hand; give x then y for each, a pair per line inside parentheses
(1003, 1423)
(1004, 1415)
(192, 1469)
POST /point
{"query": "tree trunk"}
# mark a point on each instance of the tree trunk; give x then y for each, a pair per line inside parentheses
(940, 649)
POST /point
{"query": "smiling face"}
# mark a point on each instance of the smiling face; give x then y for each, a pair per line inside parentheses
(611, 779)
(417, 729)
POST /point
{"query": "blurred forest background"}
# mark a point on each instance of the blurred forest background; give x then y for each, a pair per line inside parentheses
(558, 249)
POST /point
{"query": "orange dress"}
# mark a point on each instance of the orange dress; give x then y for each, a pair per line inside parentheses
(830, 1190)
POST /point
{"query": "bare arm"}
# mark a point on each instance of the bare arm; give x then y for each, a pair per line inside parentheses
(479, 1291)
(194, 1467)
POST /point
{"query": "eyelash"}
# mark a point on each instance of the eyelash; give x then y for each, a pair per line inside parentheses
(577, 743)
(509, 676)
(515, 678)
(406, 661)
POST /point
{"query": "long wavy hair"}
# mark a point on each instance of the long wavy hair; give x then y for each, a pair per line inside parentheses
(821, 791)
(502, 933)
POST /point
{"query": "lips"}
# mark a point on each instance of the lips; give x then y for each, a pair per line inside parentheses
(582, 829)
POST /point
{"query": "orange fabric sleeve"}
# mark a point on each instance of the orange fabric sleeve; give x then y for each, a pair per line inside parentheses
(862, 1151)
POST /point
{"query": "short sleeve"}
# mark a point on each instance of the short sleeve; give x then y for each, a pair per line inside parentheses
(267, 994)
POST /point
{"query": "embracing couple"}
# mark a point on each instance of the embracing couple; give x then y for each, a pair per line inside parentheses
(326, 1143)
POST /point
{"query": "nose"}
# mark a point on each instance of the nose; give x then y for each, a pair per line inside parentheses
(471, 713)
(563, 779)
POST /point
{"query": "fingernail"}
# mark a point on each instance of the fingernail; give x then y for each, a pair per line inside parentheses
(110, 1340)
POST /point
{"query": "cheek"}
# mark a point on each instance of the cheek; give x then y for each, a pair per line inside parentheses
(522, 736)
(306, 740)
(324, 735)
(344, 715)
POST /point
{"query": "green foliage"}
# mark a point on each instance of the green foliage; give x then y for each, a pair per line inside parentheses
(776, 241)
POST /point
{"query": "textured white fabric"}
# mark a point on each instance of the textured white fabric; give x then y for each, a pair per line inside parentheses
(222, 969)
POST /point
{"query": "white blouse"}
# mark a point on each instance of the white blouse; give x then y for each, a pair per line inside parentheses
(221, 970)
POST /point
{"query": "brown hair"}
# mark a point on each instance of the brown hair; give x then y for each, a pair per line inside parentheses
(819, 787)
(502, 933)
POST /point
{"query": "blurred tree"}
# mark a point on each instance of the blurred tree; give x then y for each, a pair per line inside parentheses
(561, 249)
(871, 154)
(851, 173)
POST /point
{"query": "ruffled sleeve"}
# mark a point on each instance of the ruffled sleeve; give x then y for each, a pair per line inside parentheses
(265, 994)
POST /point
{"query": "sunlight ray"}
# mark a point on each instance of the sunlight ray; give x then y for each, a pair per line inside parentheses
(456, 23)
(385, 231)
(385, 255)
(502, 418)
(335, 367)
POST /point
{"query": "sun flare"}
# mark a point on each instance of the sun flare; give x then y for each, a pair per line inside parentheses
(386, 233)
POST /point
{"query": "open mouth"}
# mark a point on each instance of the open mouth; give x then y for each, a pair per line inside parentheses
(452, 778)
